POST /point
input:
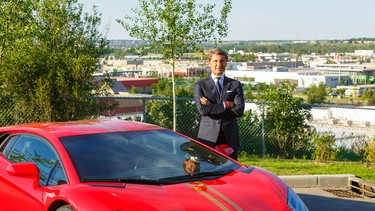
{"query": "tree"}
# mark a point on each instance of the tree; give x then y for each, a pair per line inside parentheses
(250, 133)
(159, 112)
(175, 26)
(316, 94)
(248, 92)
(244, 58)
(341, 91)
(285, 119)
(261, 86)
(14, 16)
(49, 50)
(163, 88)
(134, 90)
(329, 89)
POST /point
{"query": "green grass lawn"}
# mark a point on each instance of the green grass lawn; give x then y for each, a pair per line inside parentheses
(308, 167)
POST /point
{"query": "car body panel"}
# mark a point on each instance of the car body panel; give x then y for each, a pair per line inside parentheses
(15, 189)
(246, 188)
(229, 193)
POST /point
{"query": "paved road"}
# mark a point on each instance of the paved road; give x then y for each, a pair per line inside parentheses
(317, 199)
(329, 192)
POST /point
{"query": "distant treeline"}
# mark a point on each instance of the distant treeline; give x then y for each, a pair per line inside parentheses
(299, 48)
(267, 46)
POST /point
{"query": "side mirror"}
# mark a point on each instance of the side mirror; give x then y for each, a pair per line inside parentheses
(26, 170)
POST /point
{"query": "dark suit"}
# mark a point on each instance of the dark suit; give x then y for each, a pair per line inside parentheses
(215, 118)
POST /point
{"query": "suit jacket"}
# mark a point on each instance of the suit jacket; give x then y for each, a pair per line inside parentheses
(215, 116)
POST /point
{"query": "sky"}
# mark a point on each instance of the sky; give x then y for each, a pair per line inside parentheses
(267, 19)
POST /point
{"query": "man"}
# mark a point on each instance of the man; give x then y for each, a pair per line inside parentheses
(220, 101)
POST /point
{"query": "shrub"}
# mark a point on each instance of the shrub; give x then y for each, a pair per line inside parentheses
(370, 152)
(324, 147)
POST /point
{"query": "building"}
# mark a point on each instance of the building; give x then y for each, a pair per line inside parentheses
(155, 67)
(122, 67)
(122, 85)
(274, 57)
(364, 53)
(302, 77)
(263, 65)
(356, 73)
(356, 91)
(143, 85)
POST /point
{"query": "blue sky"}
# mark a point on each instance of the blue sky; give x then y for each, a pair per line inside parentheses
(269, 19)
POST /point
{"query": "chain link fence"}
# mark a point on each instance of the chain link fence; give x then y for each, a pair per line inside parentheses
(352, 127)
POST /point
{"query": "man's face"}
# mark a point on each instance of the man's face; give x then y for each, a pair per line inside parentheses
(218, 63)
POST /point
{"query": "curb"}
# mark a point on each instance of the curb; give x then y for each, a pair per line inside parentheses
(317, 181)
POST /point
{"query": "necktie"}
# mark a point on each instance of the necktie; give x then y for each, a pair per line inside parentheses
(218, 85)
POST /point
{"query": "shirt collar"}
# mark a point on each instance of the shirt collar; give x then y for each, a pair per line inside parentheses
(214, 77)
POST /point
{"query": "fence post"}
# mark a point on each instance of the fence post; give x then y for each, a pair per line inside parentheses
(144, 109)
(263, 133)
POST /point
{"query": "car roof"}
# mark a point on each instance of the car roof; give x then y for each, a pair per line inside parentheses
(80, 127)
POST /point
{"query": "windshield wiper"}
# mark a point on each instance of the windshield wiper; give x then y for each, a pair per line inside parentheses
(131, 180)
(167, 180)
(200, 175)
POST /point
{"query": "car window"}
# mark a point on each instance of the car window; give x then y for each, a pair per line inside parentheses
(149, 154)
(7, 146)
(157, 141)
(3, 137)
(57, 176)
(29, 148)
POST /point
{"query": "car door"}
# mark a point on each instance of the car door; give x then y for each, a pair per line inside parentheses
(22, 193)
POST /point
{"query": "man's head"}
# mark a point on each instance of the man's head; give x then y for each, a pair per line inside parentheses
(217, 60)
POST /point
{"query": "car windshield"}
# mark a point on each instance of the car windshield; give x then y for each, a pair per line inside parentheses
(144, 156)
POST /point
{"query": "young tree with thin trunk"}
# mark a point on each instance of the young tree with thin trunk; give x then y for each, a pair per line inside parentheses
(285, 119)
(175, 26)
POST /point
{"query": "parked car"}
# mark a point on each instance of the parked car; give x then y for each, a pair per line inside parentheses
(123, 165)
(333, 94)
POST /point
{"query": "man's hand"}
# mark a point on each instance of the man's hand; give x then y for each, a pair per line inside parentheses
(229, 104)
(205, 101)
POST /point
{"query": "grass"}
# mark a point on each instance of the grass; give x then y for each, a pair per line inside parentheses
(307, 167)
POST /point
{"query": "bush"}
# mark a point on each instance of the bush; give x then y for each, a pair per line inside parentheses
(370, 152)
(344, 154)
(323, 145)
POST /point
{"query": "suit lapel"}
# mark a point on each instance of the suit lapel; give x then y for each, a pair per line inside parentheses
(214, 90)
(225, 87)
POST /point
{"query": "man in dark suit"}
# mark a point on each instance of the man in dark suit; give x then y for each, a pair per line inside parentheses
(219, 100)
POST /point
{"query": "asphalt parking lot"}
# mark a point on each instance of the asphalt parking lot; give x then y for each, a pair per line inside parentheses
(328, 192)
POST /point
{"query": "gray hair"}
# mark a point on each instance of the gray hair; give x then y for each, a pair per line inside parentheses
(218, 51)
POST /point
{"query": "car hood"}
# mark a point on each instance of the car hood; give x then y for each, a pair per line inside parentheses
(240, 190)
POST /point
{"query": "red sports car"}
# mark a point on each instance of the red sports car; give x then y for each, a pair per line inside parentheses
(120, 165)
